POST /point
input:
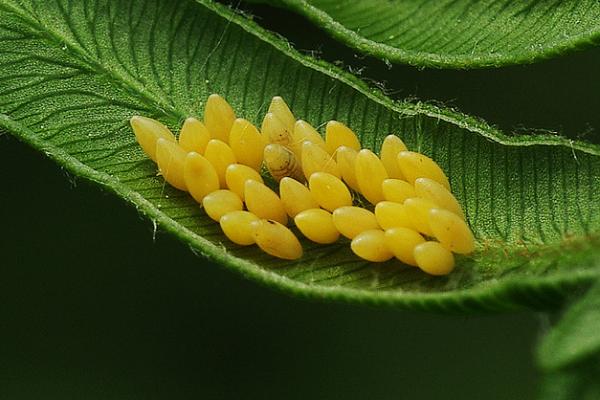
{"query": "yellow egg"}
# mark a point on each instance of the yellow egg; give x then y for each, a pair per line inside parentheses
(452, 231)
(247, 143)
(370, 174)
(200, 176)
(281, 162)
(317, 225)
(430, 189)
(218, 117)
(415, 165)
(346, 161)
(147, 132)
(392, 215)
(397, 190)
(237, 226)
(351, 221)
(329, 191)
(303, 132)
(295, 197)
(417, 209)
(221, 202)
(402, 243)
(370, 245)
(433, 258)
(194, 136)
(315, 159)
(220, 156)
(337, 135)
(277, 240)
(170, 159)
(275, 131)
(263, 202)
(281, 110)
(391, 147)
(236, 176)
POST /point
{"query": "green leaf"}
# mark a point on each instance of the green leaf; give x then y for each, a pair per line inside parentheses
(73, 73)
(578, 381)
(457, 33)
(576, 336)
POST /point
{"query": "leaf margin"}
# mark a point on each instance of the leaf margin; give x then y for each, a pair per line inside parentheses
(387, 53)
(575, 338)
(502, 296)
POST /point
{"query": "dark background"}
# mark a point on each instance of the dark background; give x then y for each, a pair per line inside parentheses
(92, 307)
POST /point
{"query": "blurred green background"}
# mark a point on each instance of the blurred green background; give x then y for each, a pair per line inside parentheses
(91, 306)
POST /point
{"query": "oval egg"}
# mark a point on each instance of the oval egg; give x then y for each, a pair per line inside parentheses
(392, 215)
(304, 132)
(417, 209)
(451, 231)
(218, 117)
(370, 174)
(237, 226)
(391, 147)
(220, 155)
(275, 131)
(397, 190)
(281, 162)
(346, 161)
(170, 159)
(329, 191)
(194, 136)
(434, 258)
(236, 176)
(295, 197)
(317, 225)
(315, 159)
(221, 202)
(370, 245)
(415, 165)
(280, 109)
(247, 144)
(276, 239)
(402, 243)
(434, 191)
(200, 176)
(351, 221)
(263, 202)
(337, 135)
(147, 132)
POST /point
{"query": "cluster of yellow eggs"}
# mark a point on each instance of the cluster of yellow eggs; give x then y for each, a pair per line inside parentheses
(218, 161)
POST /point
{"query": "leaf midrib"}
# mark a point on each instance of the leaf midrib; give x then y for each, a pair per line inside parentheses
(488, 296)
(156, 102)
(56, 39)
(130, 84)
(424, 58)
(251, 269)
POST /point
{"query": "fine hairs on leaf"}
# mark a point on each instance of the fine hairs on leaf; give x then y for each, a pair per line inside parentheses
(73, 73)
(456, 34)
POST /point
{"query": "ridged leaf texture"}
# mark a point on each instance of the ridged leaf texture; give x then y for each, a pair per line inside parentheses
(457, 33)
(72, 73)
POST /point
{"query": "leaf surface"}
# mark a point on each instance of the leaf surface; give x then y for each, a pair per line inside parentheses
(577, 381)
(72, 73)
(576, 337)
(457, 33)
